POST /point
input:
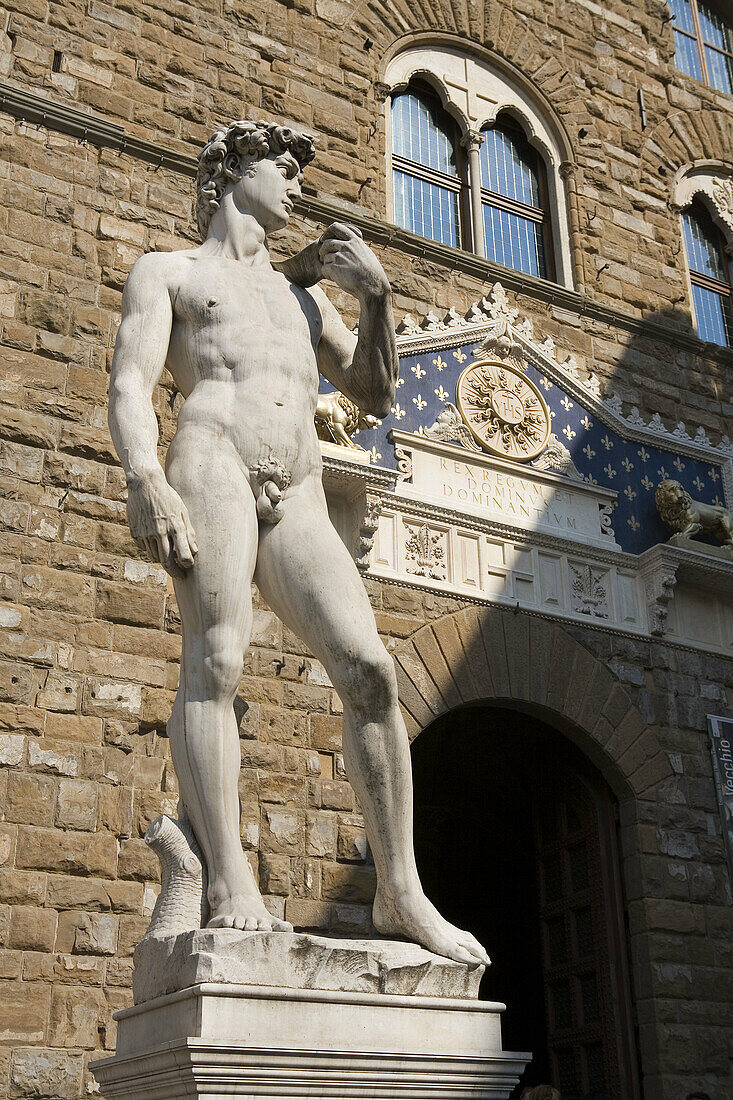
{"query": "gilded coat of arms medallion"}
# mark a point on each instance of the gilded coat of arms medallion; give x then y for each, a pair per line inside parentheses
(503, 409)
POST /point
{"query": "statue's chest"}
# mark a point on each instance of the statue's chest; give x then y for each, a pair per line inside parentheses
(253, 308)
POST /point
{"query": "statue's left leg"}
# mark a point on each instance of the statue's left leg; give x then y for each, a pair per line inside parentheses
(308, 577)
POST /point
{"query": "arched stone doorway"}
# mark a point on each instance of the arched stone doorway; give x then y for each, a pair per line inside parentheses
(515, 840)
(547, 680)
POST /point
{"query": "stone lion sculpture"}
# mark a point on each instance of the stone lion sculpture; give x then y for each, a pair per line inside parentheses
(690, 517)
(338, 418)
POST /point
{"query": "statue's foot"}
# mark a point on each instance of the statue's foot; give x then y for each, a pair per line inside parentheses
(245, 910)
(410, 915)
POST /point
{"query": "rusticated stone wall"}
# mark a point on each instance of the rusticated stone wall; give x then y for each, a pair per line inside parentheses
(89, 640)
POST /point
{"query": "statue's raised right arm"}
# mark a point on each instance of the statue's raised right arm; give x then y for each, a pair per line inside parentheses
(364, 367)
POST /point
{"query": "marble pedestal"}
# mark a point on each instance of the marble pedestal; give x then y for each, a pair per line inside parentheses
(405, 1023)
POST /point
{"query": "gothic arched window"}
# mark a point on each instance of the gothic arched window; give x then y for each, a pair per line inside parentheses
(425, 166)
(703, 43)
(513, 201)
(709, 275)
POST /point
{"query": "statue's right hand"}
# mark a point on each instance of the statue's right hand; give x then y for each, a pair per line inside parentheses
(159, 522)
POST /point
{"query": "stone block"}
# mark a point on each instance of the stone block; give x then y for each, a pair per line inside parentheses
(352, 843)
(320, 835)
(69, 892)
(128, 604)
(274, 874)
(24, 1010)
(30, 799)
(282, 831)
(32, 928)
(46, 1073)
(348, 883)
(77, 804)
(77, 1017)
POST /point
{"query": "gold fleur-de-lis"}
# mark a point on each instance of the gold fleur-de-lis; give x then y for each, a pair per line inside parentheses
(398, 411)
(678, 464)
(647, 483)
(718, 501)
(591, 480)
(589, 452)
(628, 466)
(609, 470)
(419, 402)
(633, 523)
(417, 370)
(699, 484)
(400, 382)
(587, 422)
(662, 473)
(375, 454)
(567, 404)
(568, 431)
(607, 443)
(643, 454)
(546, 382)
(439, 363)
(713, 474)
(459, 354)
(441, 394)
(629, 492)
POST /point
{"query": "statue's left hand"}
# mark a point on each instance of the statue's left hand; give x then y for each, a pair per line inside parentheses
(350, 263)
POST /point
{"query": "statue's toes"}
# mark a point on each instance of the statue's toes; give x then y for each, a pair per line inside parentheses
(281, 926)
(223, 920)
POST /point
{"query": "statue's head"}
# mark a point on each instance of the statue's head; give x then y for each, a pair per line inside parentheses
(261, 162)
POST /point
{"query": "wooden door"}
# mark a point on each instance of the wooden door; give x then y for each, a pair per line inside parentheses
(589, 1026)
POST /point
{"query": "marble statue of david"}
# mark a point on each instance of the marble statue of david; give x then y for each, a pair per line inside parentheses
(241, 498)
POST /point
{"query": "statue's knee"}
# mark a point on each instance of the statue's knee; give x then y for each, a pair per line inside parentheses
(222, 671)
(375, 686)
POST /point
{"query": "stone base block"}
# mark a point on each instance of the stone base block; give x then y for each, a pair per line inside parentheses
(165, 963)
(222, 1013)
(219, 1041)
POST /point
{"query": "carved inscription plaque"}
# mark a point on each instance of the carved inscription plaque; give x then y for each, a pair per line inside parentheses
(519, 496)
(504, 409)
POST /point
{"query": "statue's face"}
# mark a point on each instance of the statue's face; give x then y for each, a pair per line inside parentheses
(268, 189)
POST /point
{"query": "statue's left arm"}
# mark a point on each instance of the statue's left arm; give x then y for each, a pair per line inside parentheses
(364, 367)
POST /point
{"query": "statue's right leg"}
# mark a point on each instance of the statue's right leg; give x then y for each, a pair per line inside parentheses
(215, 602)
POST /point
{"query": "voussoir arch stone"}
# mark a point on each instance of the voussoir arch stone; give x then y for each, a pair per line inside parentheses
(490, 654)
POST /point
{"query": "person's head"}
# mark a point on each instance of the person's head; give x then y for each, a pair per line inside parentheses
(262, 162)
(543, 1092)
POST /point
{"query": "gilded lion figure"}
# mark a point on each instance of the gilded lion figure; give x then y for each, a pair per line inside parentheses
(691, 517)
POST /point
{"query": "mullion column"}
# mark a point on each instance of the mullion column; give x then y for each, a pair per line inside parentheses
(472, 141)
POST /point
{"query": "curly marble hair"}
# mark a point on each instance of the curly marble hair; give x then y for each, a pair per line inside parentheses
(220, 160)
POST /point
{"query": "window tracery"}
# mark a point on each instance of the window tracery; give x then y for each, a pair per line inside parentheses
(703, 43)
(501, 191)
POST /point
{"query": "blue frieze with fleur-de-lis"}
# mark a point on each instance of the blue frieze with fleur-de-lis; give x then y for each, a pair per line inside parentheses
(603, 457)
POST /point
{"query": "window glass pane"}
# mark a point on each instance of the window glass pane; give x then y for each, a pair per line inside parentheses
(426, 208)
(715, 31)
(419, 133)
(514, 241)
(712, 315)
(702, 244)
(720, 67)
(686, 57)
(509, 166)
(682, 15)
